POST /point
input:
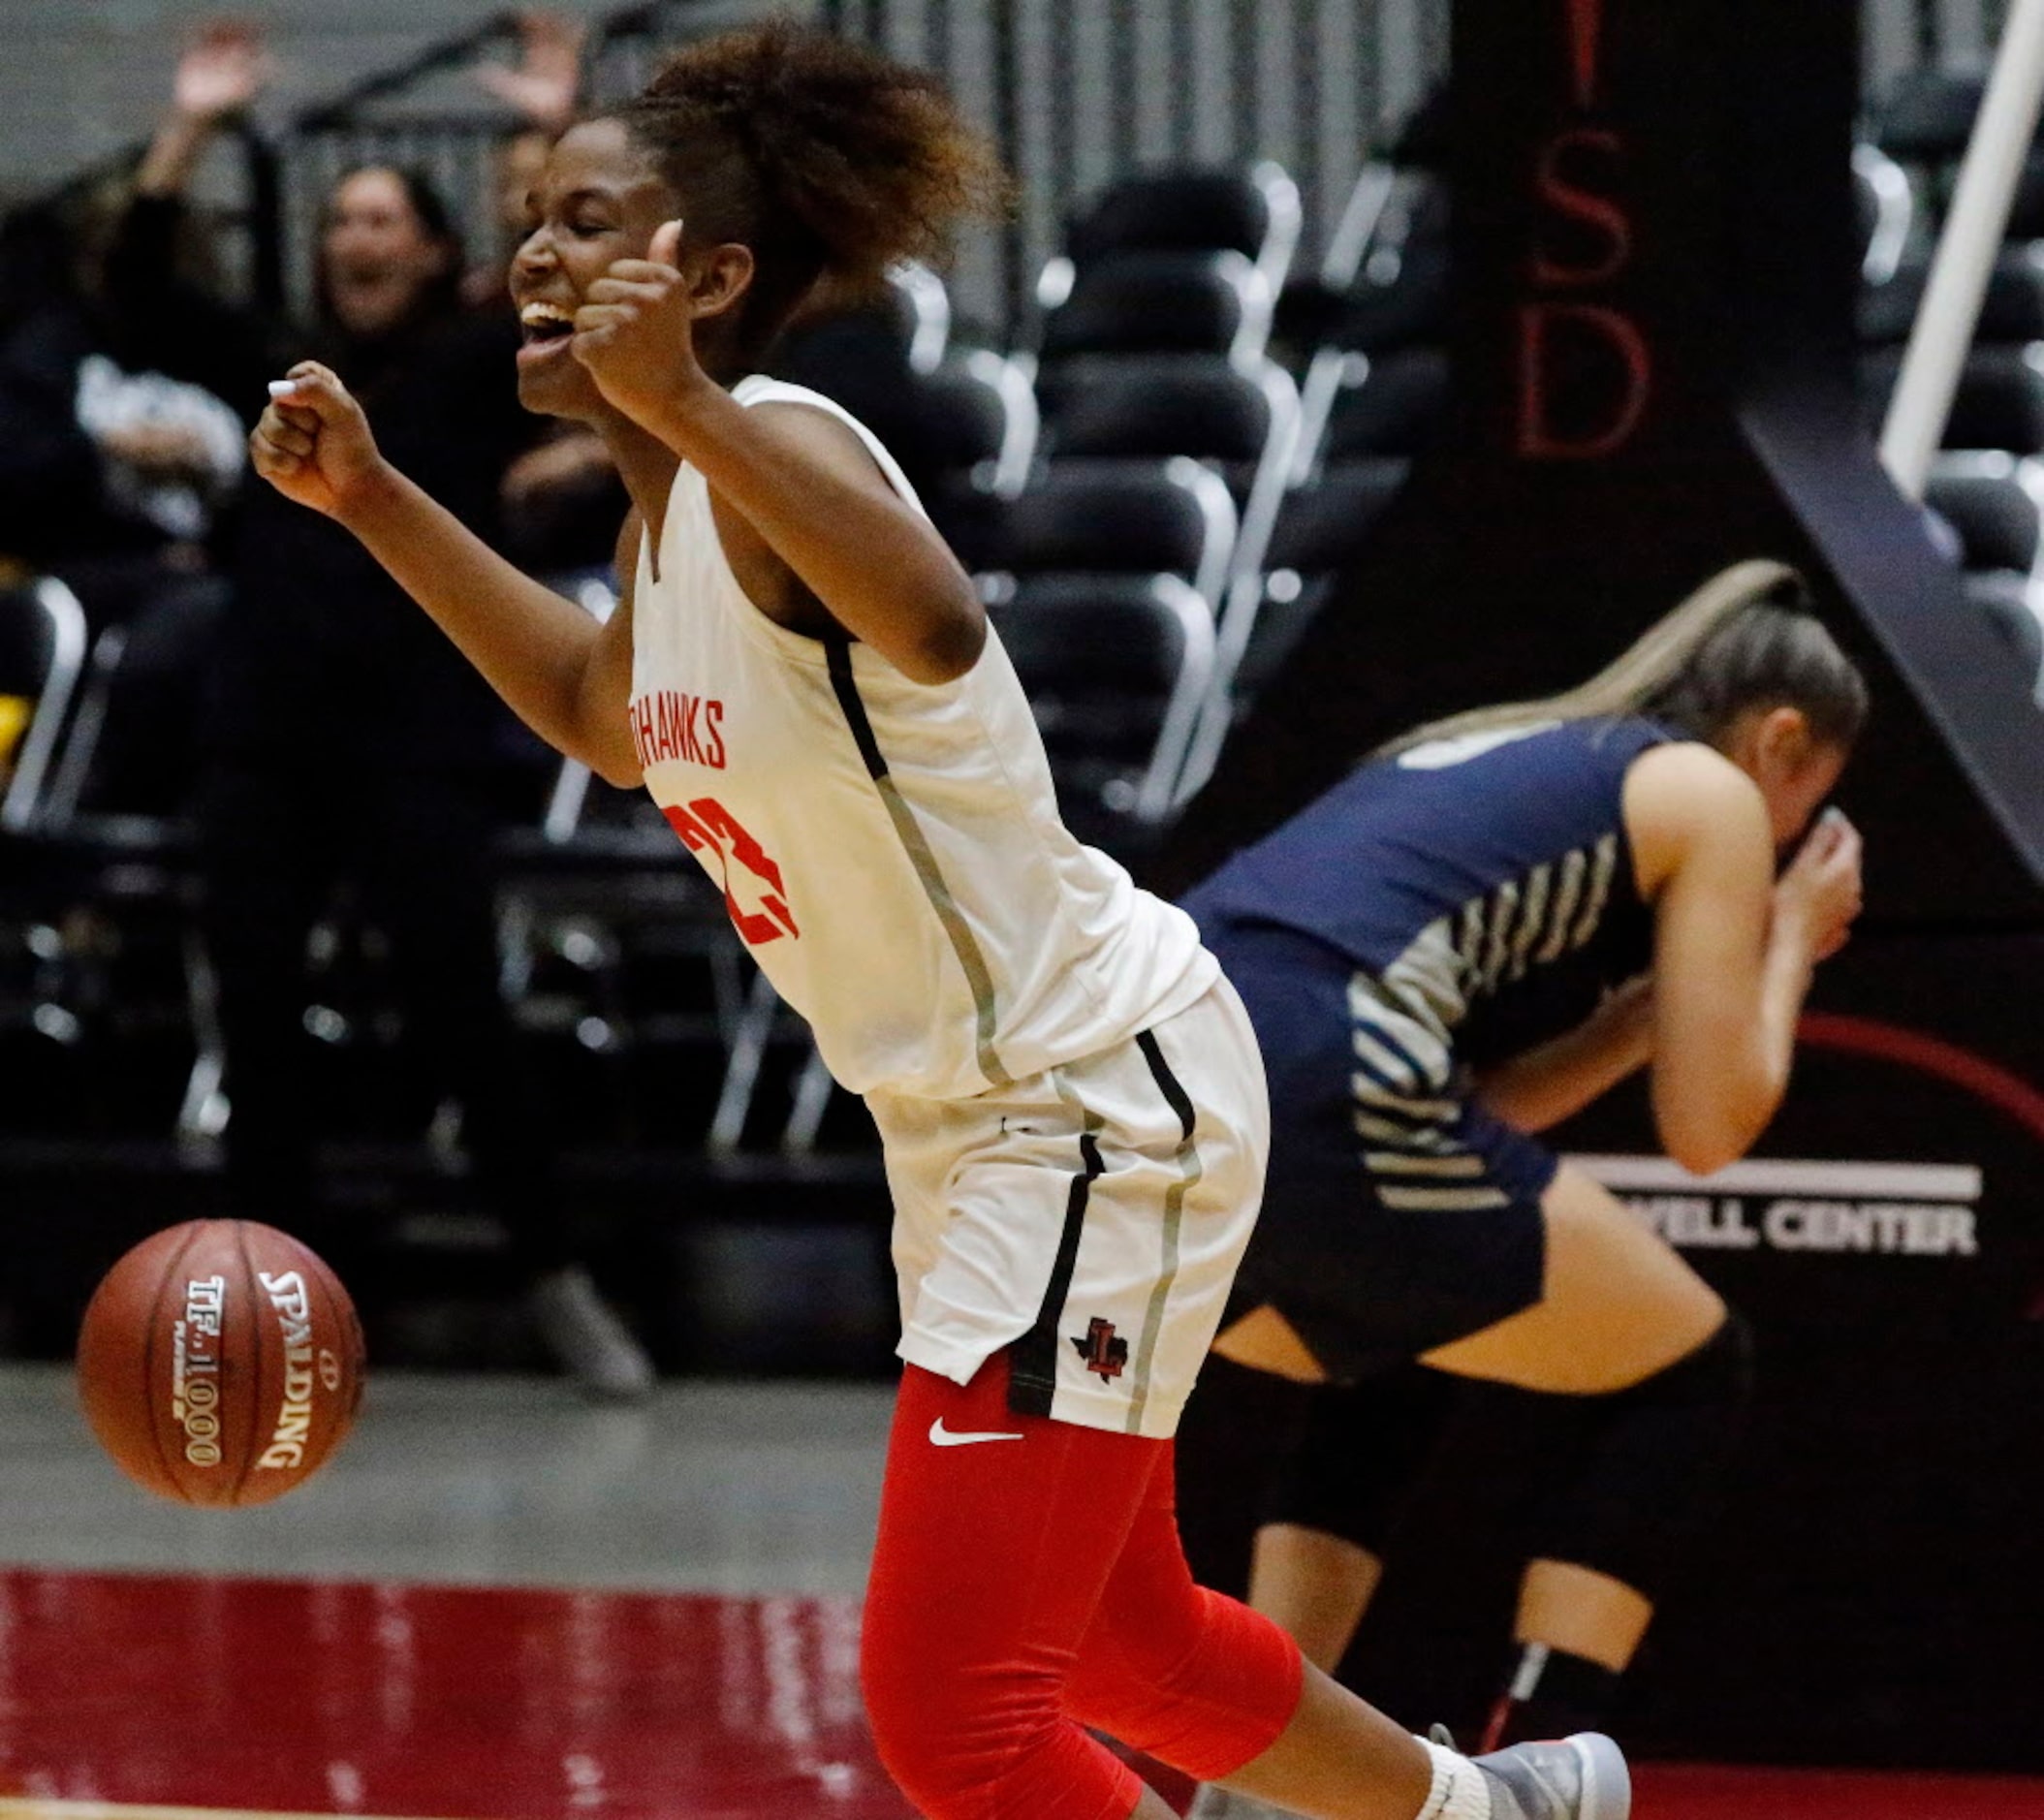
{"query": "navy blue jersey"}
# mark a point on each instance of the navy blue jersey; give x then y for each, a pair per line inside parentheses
(1484, 885)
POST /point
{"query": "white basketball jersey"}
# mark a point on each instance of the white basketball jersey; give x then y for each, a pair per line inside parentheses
(890, 850)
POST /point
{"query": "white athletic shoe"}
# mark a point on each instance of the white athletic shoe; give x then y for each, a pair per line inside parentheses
(584, 1335)
(1579, 1778)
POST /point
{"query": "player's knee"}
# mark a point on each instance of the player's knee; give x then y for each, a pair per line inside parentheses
(1718, 1373)
(1206, 1709)
(998, 1756)
(942, 1726)
(1660, 1451)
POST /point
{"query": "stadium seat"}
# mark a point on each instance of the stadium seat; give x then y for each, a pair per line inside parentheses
(977, 431)
(2011, 608)
(1996, 504)
(110, 855)
(1114, 517)
(1999, 402)
(925, 310)
(1241, 419)
(1155, 301)
(1886, 208)
(1384, 279)
(1355, 406)
(983, 417)
(2011, 310)
(42, 654)
(1927, 117)
(1321, 527)
(1255, 213)
(1150, 406)
(1115, 668)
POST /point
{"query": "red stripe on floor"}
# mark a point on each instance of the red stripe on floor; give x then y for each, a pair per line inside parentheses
(1708, 1792)
(505, 1703)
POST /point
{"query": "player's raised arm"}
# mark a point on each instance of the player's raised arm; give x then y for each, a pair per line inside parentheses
(802, 484)
(1734, 951)
(557, 669)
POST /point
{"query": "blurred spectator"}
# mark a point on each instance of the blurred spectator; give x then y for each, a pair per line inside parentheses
(562, 498)
(544, 89)
(351, 746)
(112, 468)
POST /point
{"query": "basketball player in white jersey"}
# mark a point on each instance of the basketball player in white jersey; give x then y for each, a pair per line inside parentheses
(1069, 1094)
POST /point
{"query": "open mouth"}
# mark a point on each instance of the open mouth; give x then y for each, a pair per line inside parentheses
(544, 325)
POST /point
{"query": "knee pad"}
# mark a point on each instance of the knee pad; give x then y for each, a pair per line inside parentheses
(1361, 1448)
(1652, 1457)
(1238, 1435)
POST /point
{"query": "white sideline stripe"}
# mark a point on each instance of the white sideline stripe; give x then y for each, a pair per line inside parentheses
(1892, 1181)
(24, 1809)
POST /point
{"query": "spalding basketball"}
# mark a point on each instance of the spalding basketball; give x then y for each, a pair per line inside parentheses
(220, 1362)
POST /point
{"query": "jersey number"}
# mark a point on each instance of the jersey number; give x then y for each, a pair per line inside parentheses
(706, 826)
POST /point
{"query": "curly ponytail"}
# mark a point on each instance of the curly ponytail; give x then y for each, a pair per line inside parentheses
(826, 159)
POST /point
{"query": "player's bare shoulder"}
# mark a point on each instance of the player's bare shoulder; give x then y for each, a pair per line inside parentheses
(828, 437)
(1679, 795)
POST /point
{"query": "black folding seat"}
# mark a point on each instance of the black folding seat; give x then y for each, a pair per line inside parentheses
(1884, 203)
(41, 655)
(109, 853)
(1252, 212)
(1996, 505)
(43, 638)
(1321, 527)
(1157, 405)
(922, 304)
(1927, 117)
(1116, 668)
(1155, 301)
(1243, 420)
(1113, 518)
(973, 425)
(1359, 407)
(1999, 403)
(2011, 309)
(1385, 271)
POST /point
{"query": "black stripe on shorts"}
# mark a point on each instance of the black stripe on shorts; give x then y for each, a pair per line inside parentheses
(1033, 1360)
(1176, 1096)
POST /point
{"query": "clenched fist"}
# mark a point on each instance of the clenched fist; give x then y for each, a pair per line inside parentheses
(1821, 888)
(313, 443)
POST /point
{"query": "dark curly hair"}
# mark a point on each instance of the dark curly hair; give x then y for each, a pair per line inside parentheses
(825, 158)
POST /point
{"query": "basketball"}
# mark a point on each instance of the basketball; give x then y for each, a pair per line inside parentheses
(220, 1362)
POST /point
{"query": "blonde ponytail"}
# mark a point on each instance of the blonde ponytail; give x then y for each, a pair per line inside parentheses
(1643, 672)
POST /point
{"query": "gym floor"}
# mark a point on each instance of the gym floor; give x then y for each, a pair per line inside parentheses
(500, 1603)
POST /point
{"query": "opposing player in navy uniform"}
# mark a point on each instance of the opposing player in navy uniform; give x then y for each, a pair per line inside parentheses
(1466, 940)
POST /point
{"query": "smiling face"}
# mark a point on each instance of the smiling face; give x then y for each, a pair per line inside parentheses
(597, 201)
(379, 257)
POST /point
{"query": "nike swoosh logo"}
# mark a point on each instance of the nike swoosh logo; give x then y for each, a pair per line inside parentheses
(941, 1436)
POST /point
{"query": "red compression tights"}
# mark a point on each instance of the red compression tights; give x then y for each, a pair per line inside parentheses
(1026, 1590)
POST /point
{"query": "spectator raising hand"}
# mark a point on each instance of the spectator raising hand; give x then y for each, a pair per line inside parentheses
(219, 76)
(545, 85)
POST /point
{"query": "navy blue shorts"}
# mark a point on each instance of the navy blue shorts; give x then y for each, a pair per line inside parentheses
(1399, 1214)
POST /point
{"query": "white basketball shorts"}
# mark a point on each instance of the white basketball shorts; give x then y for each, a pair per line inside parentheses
(1089, 1219)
